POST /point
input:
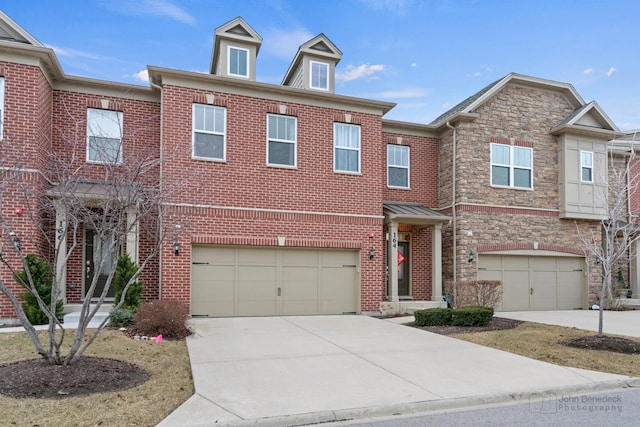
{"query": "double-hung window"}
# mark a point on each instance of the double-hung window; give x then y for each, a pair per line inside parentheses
(586, 166)
(346, 148)
(238, 62)
(319, 75)
(104, 136)
(397, 166)
(209, 132)
(281, 143)
(1, 106)
(511, 166)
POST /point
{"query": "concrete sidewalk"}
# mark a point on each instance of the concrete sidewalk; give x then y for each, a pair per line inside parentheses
(279, 371)
(614, 322)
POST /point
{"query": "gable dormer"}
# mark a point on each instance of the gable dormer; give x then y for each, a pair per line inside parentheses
(314, 66)
(235, 49)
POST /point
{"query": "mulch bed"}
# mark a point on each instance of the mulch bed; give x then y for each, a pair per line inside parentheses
(607, 343)
(38, 379)
(497, 324)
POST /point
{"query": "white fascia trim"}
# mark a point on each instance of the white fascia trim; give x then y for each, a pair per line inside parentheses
(286, 211)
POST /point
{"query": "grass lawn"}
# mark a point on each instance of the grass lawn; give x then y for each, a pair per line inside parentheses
(542, 342)
(145, 405)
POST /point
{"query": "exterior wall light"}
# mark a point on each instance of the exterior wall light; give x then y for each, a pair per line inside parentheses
(176, 248)
(471, 257)
(372, 253)
(16, 241)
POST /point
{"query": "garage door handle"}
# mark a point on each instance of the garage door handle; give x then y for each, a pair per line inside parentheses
(530, 291)
(279, 292)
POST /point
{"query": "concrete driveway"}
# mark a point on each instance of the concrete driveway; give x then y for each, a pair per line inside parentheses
(296, 370)
(614, 322)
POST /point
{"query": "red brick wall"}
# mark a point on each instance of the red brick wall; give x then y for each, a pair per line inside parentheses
(423, 168)
(245, 181)
(26, 138)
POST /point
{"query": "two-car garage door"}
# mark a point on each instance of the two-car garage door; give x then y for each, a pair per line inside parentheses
(536, 282)
(255, 281)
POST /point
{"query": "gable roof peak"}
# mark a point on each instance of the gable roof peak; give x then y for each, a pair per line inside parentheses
(480, 97)
(11, 31)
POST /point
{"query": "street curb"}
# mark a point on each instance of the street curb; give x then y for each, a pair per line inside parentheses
(427, 406)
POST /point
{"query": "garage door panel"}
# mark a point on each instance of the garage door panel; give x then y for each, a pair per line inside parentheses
(336, 297)
(544, 296)
(212, 297)
(292, 257)
(213, 256)
(256, 256)
(515, 290)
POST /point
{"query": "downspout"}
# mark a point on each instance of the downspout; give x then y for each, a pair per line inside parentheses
(453, 211)
(161, 183)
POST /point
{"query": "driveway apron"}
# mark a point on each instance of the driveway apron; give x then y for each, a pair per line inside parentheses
(294, 370)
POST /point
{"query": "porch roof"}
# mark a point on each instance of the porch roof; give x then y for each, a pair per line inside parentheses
(412, 214)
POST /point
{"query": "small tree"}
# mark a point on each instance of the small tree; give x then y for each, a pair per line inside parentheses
(130, 298)
(40, 273)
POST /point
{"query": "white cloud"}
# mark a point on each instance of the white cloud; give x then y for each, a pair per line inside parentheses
(588, 71)
(142, 75)
(353, 73)
(483, 70)
(150, 8)
(73, 53)
(611, 71)
(395, 6)
(414, 65)
(284, 44)
(403, 93)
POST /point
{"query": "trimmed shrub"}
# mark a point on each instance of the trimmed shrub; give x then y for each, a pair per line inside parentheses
(121, 317)
(125, 270)
(433, 317)
(472, 316)
(165, 317)
(41, 276)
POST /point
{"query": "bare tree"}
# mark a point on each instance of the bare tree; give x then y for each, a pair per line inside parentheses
(618, 234)
(117, 197)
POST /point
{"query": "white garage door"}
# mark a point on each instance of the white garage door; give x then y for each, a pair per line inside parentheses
(242, 281)
(536, 282)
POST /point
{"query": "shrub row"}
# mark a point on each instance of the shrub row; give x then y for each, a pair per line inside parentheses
(464, 316)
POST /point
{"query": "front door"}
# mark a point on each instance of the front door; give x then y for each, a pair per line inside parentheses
(94, 251)
(403, 270)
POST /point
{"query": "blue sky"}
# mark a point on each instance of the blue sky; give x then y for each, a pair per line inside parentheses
(425, 55)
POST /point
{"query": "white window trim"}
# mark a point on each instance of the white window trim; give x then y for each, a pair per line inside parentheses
(583, 166)
(511, 167)
(2, 110)
(223, 133)
(311, 85)
(408, 167)
(246, 76)
(359, 149)
(120, 118)
(294, 142)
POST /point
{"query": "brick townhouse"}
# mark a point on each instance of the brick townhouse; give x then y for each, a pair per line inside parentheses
(291, 199)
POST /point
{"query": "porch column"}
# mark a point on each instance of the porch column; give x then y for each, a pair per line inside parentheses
(61, 250)
(436, 263)
(392, 257)
(132, 233)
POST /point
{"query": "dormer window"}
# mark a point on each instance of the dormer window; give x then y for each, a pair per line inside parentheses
(319, 75)
(238, 62)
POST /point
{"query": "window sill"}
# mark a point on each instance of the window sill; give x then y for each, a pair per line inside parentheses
(347, 173)
(512, 188)
(209, 159)
(276, 166)
(392, 187)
